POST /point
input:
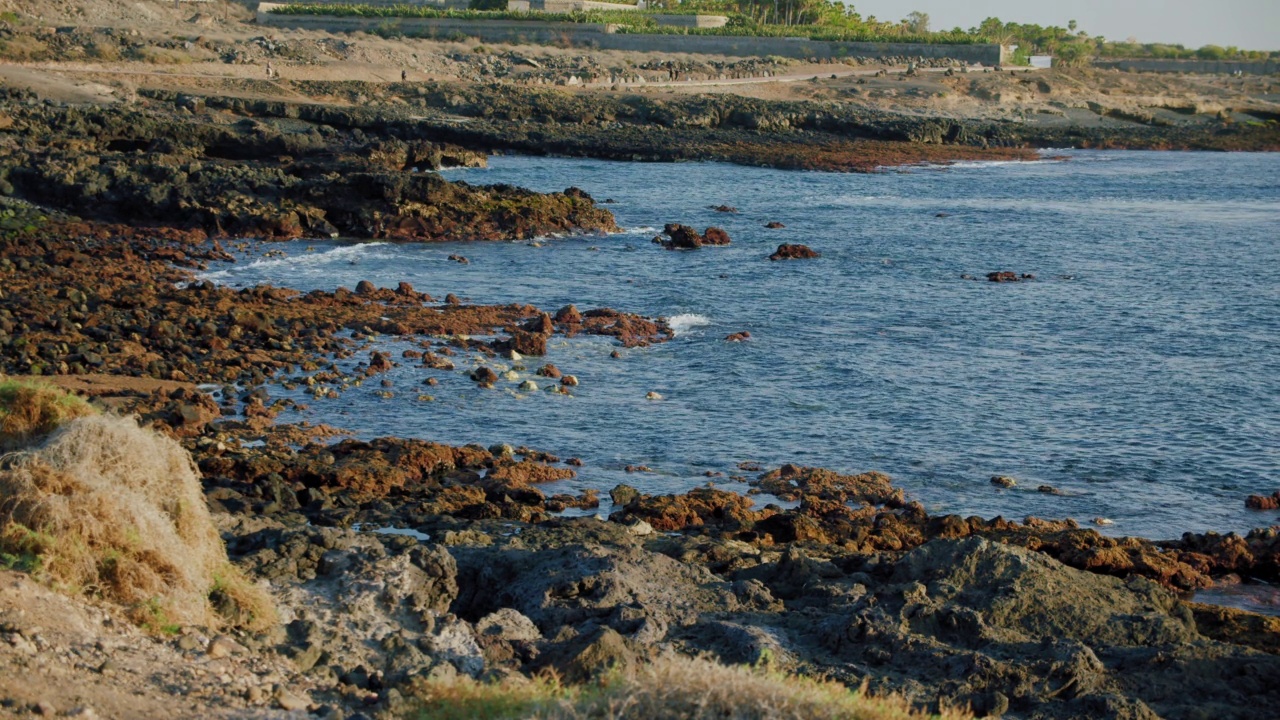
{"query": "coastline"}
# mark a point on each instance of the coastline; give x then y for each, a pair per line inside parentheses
(401, 563)
(698, 572)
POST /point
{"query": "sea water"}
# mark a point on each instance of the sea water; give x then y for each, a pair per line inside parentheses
(1138, 373)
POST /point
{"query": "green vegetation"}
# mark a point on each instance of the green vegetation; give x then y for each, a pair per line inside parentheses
(1073, 47)
(667, 689)
(18, 219)
(1161, 51)
(828, 20)
(832, 23)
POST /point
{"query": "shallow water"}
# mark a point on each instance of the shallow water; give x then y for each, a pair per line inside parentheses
(1138, 373)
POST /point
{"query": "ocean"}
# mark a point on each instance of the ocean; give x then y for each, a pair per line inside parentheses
(1138, 373)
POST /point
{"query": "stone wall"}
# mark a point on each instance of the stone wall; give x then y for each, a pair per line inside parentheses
(1207, 67)
(601, 36)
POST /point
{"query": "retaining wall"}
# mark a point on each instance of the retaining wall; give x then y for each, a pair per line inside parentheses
(601, 36)
(1206, 67)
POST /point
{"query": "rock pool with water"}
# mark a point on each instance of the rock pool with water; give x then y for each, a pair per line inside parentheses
(1137, 373)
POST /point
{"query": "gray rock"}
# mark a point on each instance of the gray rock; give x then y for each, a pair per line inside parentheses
(508, 624)
(455, 642)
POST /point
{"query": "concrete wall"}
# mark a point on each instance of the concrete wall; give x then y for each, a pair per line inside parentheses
(692, 21)
(1208, 67)
(516, 31)
(439, 4)
(568, 6)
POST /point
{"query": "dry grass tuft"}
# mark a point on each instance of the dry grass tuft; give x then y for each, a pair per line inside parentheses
(671, 688)
(107, 508)
(29, 410)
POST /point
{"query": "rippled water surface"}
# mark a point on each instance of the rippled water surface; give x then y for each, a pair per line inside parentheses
(1139, 373)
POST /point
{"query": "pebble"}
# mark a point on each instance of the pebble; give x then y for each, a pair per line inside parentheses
(529, 385)
(1103, 522)
(651, 395)
(223, 646)
(290, 702)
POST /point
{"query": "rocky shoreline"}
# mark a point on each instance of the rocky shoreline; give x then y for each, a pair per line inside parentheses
(1026, 619)
(397, 563)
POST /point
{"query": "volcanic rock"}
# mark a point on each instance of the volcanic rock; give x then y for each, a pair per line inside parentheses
(790, 251)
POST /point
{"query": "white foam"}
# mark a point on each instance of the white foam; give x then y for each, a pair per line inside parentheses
(963, 164)
(685, 322)
(410, 532)
(342, 253)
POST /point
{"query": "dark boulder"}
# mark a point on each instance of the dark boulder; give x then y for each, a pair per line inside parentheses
(682, 237)
(715, 236)
(789, 251)
(1003, 276)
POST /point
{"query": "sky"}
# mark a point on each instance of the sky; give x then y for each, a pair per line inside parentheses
(1247, 24)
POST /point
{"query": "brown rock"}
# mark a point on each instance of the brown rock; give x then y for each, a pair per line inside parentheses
(527, 472)
(738, 336)
(541, 324)
(1007, 276)
(1263, 502)
(682, 237)
(715, 236)
(528, 343)
(790, 251)
(775, 225)
(484, 376)
(380, 362)
(568, 315)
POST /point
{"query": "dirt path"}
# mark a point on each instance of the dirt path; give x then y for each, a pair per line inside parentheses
(788, 78)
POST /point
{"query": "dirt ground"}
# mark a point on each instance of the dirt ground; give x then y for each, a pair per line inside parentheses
(71, 657)
(216, 47)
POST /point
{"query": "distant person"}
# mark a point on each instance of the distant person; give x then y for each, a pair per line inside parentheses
(404, 75)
